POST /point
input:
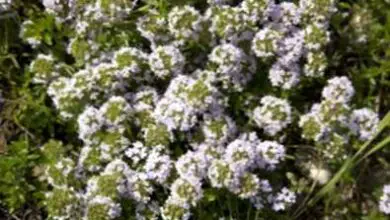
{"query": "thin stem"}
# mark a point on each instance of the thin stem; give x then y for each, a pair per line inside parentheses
(257, 214)
(23, 128)
(248, 215)
(236, 206)
(302, 206)
(230, 207)
(290, 157)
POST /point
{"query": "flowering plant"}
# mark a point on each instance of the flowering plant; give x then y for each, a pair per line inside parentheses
(193, 110)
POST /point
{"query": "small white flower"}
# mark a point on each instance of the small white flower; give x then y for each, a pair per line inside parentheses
(265, 42)
(316, 64)
(192, 166)
(240, 155)
(269, 154)
(287, 14)
(158, 167)
(89, 122)
(5, 5)
(139, 187)
(283, 199)
(286, 78)
(312, 127)
(185, 23)
(273, 115)
(186, 192)
(339, 89)
(166, 61)
(137, 153)
(220, 174)
(114, 209)
(319, 174)
(154, 27)
(52, 4)
(384, 202)
(364, 123)
(257, 10)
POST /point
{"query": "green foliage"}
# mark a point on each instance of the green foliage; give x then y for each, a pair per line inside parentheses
(25, 118)
(361, 49)
(18, 184)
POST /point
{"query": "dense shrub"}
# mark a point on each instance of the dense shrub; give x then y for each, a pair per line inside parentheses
(187, 109)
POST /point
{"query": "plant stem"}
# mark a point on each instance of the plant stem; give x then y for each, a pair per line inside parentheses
(230, 207)
(248, 215)
(257, 214)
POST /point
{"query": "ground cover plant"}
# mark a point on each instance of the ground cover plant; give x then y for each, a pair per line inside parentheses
(194, 109)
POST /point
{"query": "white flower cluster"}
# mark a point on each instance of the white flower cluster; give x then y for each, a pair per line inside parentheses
(185, 24)
(232, 66)
(273, 115)
(103, 132)
(166, 61)
(5, 5)
(231, 166)
(384, 203)
(86, 18)
(43, 68)
(290, 38)
(160, 122)
(283, 198)
(95, 9)
(329, 121)
(364, 122)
